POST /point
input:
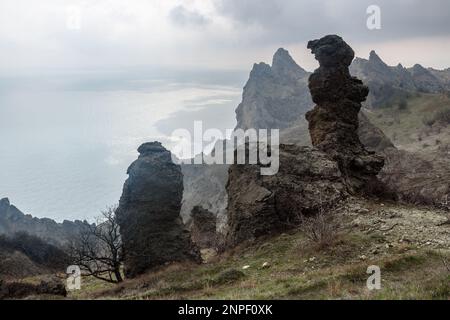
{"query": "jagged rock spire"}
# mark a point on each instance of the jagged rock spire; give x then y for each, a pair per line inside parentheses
(333, 123)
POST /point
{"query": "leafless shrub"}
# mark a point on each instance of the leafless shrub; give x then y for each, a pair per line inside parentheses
(321, 228)
(98, 248)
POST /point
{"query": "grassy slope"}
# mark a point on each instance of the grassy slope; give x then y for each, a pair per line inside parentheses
(404, 126)
(298, 270)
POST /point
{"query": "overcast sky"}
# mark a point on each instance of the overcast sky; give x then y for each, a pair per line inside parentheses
(214, 34)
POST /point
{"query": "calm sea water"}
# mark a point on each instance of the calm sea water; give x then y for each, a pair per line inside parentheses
(67, 140)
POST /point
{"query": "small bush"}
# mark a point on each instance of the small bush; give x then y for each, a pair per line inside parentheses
(228, 276)
(321, 228)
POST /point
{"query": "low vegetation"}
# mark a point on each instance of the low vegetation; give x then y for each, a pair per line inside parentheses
(289, 266)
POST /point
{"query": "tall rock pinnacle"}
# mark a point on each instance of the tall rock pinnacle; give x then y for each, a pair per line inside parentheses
(149, 213)
(333, 123)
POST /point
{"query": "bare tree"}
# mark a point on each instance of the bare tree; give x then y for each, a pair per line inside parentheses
(98, 248)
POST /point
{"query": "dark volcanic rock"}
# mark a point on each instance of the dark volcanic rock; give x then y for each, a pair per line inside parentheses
(203, 228)
(333, 123)
(149, 212)
(307, 181)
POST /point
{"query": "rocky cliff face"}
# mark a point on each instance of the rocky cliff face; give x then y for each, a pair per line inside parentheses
(424, 80)
(203, 228)
(274, 96)
(12, 220)
(308, 181)
(333, 123)
(149, 213)
(389, 84)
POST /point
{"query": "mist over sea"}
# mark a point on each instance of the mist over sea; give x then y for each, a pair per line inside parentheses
(67, 138)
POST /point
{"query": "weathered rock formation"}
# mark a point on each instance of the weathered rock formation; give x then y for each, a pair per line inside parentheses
(275, 96)
(203, 228)
(333, 123)
(12, 220)
(204, 185)
(307, 182)
(149, 213)
(390, 84)
(274, 91)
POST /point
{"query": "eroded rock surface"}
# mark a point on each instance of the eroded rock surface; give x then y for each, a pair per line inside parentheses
(333, 123)
(203, 228)
(149, 213)
(307, 181)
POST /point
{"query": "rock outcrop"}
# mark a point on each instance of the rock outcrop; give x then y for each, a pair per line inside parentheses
(152, 231)
(203, 228)
(333, 123)
(12, 220)
(284, 85)
(274, 97)
(307, 182)
(390, 84)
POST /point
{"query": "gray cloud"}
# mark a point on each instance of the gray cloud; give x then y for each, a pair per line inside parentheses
(301, 20)
(182, 16)
(211, 34)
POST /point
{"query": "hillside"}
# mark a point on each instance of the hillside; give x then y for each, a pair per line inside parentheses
(12, 220)
(406, 242)
(419, 124)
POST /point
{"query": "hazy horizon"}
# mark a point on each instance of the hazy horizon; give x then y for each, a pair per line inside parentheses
(83, 84)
